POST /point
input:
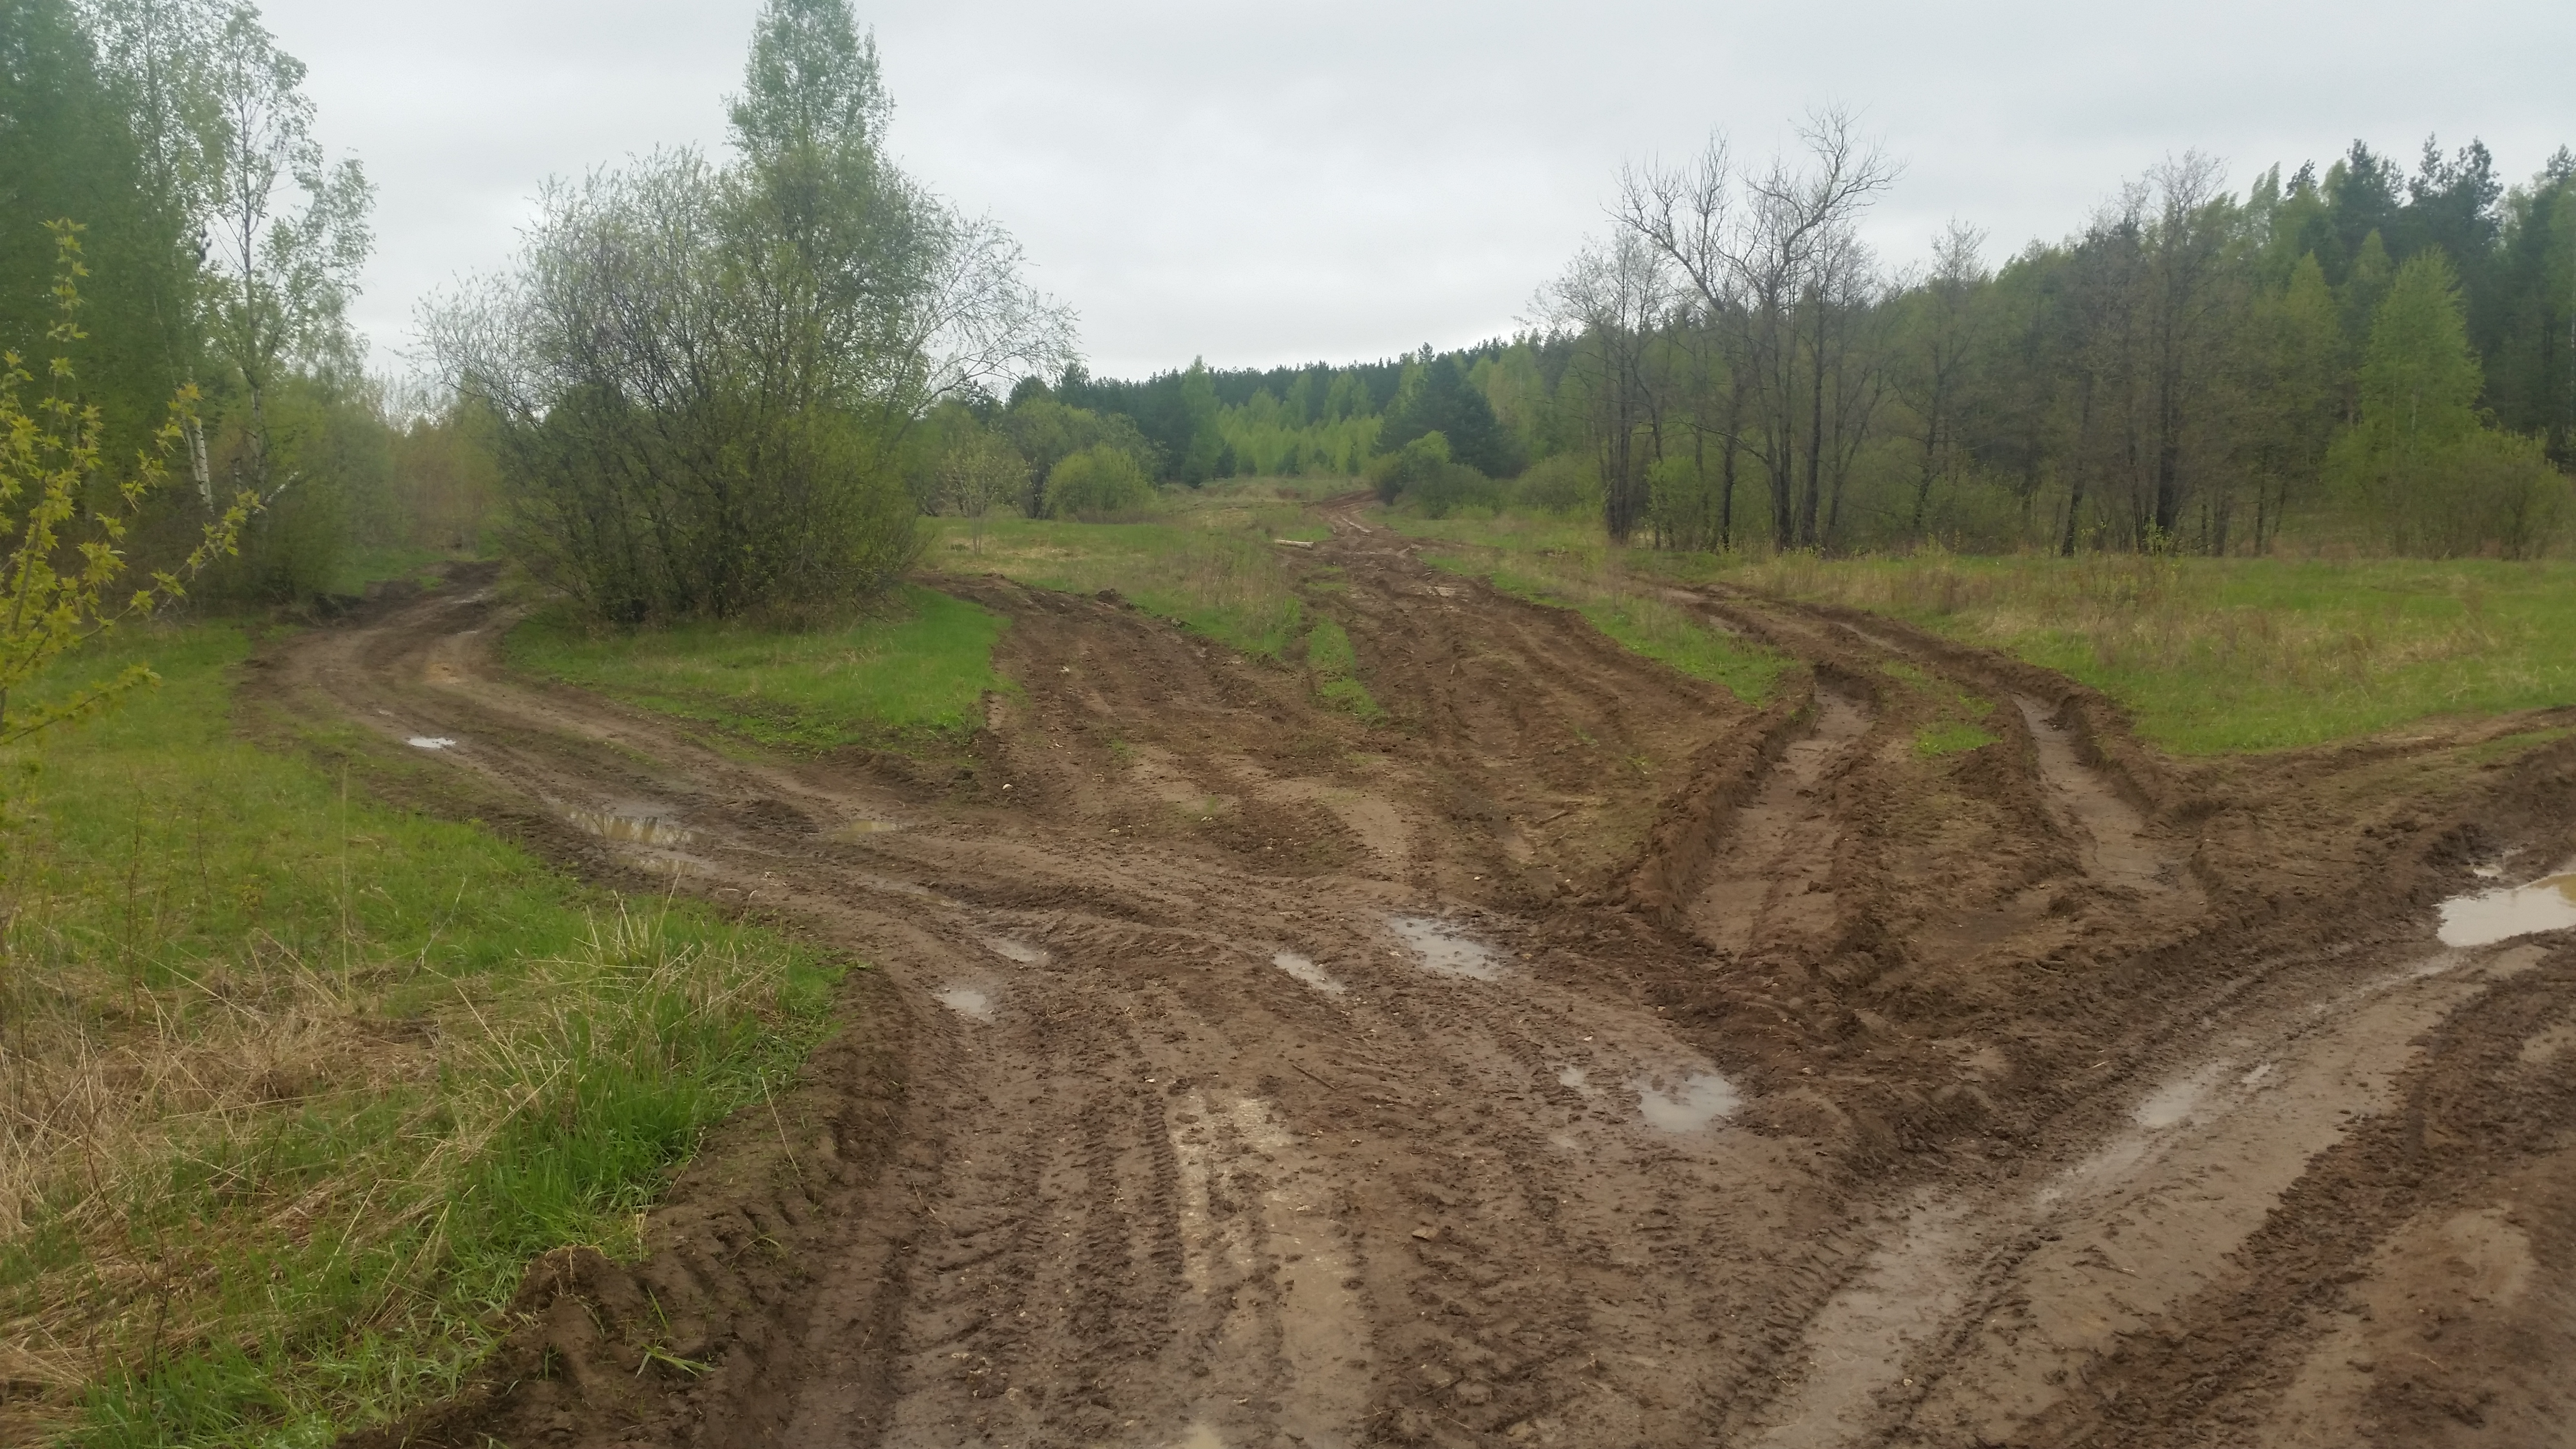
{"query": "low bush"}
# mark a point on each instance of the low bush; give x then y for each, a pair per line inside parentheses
(1098, 484)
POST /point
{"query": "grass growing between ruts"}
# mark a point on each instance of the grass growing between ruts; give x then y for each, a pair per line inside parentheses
(1205, 563)
(1335, 666)
(1631, 616)
(294, 1085)
(909, 678)
(2215, 655)
(2208, 655)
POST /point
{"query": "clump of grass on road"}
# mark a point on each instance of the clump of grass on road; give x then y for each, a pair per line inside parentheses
(1958, 717)
(908, 678)
(1335, 665)
(1207, 562)
(295, 1084)
(2215, 655)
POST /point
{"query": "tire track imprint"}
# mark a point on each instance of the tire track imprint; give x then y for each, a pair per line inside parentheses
(1179, 1133)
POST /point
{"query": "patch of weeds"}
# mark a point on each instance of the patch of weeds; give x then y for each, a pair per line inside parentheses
(1958, 716)
(300, 1083)
(1335, 666)
(910, 679)
(1949, 737)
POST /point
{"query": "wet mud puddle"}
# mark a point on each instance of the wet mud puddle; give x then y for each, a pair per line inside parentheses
(2482, 918)
(970, 1002)
(631, 825)
(1691, 1104)
(1304, 969)
(1691, 1101)
(1443, 950)
(2142, 1221)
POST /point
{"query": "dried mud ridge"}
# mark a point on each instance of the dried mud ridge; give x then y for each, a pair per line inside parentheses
(1582, 1058)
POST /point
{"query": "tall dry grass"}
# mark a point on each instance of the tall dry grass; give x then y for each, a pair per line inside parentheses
(2139, 614)
(227, 1193)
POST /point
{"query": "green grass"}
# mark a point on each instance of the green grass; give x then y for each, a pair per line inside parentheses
(2209, 656)
(359, 567)
(296, 1083)
(1957, 715)
(1949, 737)
(1335, 665)
(2220, 655)
(911, 679)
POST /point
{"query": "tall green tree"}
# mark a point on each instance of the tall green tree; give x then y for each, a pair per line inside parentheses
(69, 149)
(700, 375)
(2419, 463)
(1442, 400)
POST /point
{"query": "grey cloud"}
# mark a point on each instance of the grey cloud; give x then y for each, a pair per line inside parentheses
(1285, 183)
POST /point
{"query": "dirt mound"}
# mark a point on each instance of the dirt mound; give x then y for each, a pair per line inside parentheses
(1581, 1057)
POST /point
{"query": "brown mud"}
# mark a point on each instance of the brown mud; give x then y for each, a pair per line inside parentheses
(1582, 1057)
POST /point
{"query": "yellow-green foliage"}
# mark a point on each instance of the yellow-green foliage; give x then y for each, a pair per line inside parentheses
(54, 586)
(1098, 482)
(297, 1084)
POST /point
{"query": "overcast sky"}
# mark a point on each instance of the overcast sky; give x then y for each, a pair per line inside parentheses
(1322, 180)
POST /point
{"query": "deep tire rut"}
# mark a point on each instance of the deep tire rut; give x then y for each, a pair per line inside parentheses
(1583, 1057)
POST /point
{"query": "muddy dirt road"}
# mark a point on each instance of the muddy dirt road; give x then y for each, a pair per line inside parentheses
(1583, 1058)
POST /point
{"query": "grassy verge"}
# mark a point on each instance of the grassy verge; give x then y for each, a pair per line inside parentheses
(2213, 655)
(295, 1084)
(2208, 655)
(909, 679)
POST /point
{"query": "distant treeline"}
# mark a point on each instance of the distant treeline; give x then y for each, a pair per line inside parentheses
(2365, 355)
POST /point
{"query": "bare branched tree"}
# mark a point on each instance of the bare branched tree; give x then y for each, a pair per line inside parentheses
(1612, 299)
(1776, 261)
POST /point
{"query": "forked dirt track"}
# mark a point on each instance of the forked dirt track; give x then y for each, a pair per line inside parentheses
(1580, 1058)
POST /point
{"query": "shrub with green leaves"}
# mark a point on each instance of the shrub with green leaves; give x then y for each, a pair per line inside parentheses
(1098, 484)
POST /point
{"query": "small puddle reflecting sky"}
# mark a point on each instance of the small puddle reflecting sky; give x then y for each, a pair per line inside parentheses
(1444, 951)
(1699, 1099)
(1304, 969)
(1020, 951)
(2485, 917)
(637, 829)
(967, 1001)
